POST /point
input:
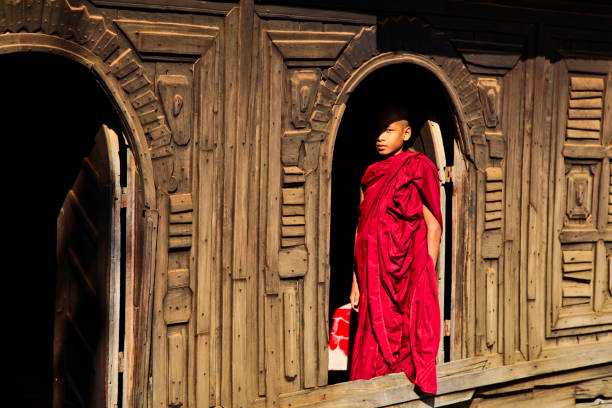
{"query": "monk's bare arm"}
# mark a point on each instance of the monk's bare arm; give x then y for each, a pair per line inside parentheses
(433, 234)
(355, 287)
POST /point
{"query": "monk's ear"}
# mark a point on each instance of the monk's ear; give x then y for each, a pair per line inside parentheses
(407, 133)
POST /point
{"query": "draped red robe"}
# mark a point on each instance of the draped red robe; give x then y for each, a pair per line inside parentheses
(399, 315)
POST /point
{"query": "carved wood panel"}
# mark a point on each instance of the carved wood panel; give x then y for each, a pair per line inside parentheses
(580, 274)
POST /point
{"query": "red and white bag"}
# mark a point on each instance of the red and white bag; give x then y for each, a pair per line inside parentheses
(339, 338)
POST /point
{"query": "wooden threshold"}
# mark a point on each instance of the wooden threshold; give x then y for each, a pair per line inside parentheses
(453, 377)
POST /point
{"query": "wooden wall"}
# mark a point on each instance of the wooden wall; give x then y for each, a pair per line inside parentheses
(236, 108)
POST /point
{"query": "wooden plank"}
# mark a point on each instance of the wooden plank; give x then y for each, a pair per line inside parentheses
(492, 244)
(601, 274)
(310, 49)
(578, 83)
(314, 14)
(583, 275)
(493, 206)
(580, 151)
(494, 224)
(494, 196)
(494, 186)
(528, 142)
(580, 266)
(292, 241)
(293, 195)
(588, 103)
(513, 85)
(159, 336)
(272, 283)
(178, 278)
(180, 202)
(493, 215)
(288, 210)
(584, 94)
(180, 242)
(576, 289)
(180, 229)
(177, 305)
(132, 241)
(584, 114)
(582, 134)
(231, 79)
(439, 401)
(254, 294)
(476, 328)
(561, 398)
(491, 305)
(181, 218)
(565, 302)
(493, 173)
(584, 236)
(292, 262)
(172, 43)
(177, 364)
(396, 388)
(577, 256)
(462, 240)
(293, 231)
(537, 209)
(294, 220)
(293, 179)
(310, 356)
(584, 124)
(290, 333)
(601, 387)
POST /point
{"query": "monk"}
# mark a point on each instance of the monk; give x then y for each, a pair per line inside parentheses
(394, 286)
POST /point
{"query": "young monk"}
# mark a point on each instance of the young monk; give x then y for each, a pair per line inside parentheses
(396, 247)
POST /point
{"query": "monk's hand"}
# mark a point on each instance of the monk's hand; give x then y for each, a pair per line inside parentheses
(355, 296)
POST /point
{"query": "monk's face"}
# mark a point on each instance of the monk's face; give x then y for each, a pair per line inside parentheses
(392, 138)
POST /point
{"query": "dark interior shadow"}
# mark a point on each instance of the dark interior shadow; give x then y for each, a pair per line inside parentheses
(52, 108)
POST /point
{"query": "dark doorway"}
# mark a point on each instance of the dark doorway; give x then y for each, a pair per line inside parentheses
(52, 108)
(422, 94)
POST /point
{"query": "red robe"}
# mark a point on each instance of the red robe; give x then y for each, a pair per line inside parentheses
(399, 315)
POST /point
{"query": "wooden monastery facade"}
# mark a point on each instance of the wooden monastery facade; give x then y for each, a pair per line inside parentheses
(231, 113)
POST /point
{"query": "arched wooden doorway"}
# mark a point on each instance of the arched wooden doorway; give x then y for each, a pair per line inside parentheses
(437, 133)
(64, 129)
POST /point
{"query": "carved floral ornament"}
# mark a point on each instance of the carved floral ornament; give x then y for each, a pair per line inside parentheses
(121, 65)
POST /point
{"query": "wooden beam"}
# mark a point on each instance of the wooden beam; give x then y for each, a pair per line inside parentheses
(396, 388)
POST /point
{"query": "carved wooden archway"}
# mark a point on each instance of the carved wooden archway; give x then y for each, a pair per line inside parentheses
(56, 27)
(360, 58)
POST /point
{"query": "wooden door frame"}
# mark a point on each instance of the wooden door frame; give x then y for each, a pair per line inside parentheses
(135, 135)
(327, 151)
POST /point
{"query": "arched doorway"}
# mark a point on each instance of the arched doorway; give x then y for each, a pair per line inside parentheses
(421, 92)
(56, 110)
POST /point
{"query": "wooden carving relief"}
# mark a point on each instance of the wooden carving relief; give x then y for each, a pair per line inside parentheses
(580, 277)
(580, 193)
(489, 92)
(155, 39)
(303, 89)
(309, 45)
(493, 198)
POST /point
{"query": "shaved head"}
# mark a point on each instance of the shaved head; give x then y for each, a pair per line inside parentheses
(394, 114)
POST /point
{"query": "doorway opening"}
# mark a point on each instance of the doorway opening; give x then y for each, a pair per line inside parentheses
(434, 133)
(53, 110)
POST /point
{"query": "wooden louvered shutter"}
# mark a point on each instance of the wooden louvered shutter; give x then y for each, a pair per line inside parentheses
(86, 331)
